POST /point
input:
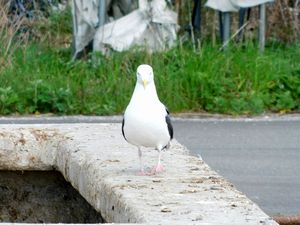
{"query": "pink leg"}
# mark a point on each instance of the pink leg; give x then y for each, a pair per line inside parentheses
(142, 171)
(159, 167)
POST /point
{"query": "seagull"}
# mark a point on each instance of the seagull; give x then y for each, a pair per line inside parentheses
(146, 121)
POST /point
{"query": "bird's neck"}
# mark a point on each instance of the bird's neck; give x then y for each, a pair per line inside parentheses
(145, 94)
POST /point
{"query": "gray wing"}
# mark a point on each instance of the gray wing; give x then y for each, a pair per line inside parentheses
(123, 123)
(169, 124)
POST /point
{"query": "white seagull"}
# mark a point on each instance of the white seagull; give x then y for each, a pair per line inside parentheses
(146, 121)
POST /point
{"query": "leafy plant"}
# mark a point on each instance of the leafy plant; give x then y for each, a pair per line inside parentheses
(8, 100)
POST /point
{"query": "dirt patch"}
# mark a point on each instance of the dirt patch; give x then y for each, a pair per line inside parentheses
(42, 197)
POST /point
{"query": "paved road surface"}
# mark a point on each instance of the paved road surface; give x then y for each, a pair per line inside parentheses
(260, 156)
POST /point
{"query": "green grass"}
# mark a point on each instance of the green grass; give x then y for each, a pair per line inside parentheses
(238, 81)
(38, 77)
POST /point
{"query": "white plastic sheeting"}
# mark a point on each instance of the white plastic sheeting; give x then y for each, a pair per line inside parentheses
(152, 26)
(85, 21)
(86, 18)
(249, 3)
(233, 5)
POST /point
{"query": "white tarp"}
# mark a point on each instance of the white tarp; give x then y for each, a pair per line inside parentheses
(233, 5)
(152, 26)
(85, 20)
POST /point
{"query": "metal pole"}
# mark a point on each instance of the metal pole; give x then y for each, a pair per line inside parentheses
(102, 12)
(226, 26)
(233, 36)
(242, 14)
(221, 26)
(197, 16)
(262, 27)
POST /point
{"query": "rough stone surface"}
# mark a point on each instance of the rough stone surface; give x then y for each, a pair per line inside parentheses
(103, 168)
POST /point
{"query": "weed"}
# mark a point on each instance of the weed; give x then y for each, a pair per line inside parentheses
(10, 38)
(240, 81)
(8, 100)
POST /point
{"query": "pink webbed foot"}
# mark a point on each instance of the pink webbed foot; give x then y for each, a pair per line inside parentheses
(158, 169)
(143, 173)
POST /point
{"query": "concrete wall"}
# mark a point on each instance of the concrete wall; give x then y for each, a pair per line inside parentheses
(103, 168)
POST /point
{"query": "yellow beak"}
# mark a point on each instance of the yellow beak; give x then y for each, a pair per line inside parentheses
(145, 83)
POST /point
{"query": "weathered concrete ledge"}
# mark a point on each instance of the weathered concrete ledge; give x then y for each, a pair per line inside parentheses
(103, 168)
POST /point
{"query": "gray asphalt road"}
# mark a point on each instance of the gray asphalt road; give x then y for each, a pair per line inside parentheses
(261, 157)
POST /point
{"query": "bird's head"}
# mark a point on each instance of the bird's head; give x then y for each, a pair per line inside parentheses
(144, 75)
